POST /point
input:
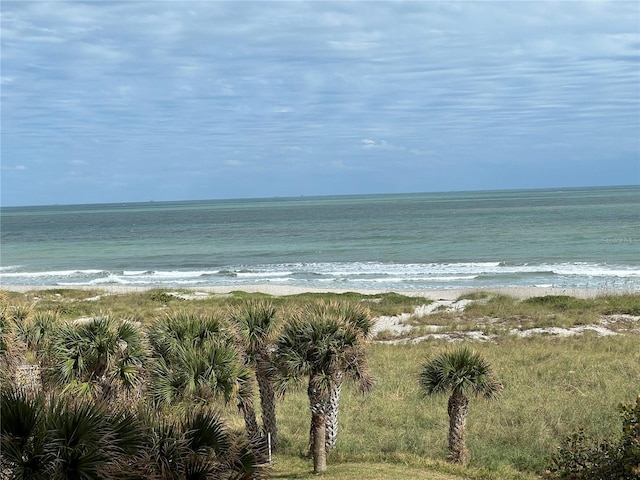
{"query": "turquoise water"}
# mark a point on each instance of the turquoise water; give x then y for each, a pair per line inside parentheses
(573, 238)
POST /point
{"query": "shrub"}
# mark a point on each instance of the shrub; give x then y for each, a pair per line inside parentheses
(583, 458)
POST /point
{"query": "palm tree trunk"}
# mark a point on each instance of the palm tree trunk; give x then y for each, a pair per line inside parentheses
(267, 403)
(318, 404)
(319, 451)
(458, 408)
(331, 408)
(99, 378)
(249, 413)
(332, 413)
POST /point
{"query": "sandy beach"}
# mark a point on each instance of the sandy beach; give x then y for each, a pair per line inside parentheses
(282, 290)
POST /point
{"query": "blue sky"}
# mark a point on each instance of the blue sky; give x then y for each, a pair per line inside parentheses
(158, 100)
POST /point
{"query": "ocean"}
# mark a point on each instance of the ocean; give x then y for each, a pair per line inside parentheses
(579, 238)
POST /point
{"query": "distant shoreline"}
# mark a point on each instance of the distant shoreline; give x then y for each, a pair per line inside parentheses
(280, 290)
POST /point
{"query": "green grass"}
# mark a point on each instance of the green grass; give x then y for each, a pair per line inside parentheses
(400, 467)
(496, 314)
(147, 305)
(556, 310)
(553, 386)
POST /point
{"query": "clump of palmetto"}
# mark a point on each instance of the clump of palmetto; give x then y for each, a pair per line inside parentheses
(196, 359)
(60, 438)
(25, 335)
(100, 357)
(64, 439)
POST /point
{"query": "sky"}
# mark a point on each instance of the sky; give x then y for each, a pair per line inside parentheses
(122, 101)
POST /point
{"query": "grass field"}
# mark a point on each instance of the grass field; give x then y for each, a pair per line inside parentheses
(552, 386)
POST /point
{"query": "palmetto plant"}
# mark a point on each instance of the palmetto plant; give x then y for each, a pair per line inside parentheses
(197, 358)
(24, 340)
(320, 346)
(82, 440)
(258, 326)
(64, 439)
(98, 357)
(459, 373)
(35, 332)
(195, 446)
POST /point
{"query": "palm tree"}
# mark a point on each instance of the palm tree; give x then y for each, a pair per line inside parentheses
(358, 317)
(258, 325)
(460, 372)
(98, 357)
(197, 358)
(319, 346)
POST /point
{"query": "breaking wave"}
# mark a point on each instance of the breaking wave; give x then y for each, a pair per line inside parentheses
(363, 275)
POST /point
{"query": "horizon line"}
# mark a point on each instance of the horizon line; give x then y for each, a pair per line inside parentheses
(318, 196)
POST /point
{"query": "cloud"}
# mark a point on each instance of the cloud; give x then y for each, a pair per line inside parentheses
(15, 168)
(163, 83)
(290, 149)
(234, 163)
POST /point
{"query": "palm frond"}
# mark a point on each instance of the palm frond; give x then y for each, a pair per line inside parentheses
(205, 431)
(258, 317)
(80, 440)
(318, 343)
(20, 414)
(461, 370)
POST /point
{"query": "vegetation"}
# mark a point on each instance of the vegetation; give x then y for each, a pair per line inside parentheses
(258, 327)
(319, 344)
(554, 388)
(590, 459)
(65, 439)
(197, 359)
(97, 357)
(357, 317)
(460, 373)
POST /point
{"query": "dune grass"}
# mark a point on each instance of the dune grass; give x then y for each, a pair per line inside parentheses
(147, 305)
(496, 314)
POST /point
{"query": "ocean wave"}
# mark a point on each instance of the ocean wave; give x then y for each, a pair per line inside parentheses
(245, 274)
(9, 268)
(52, 273)
(351, 274)
(591, 270)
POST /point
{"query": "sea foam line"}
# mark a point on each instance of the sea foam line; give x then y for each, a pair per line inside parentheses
(356, 273)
